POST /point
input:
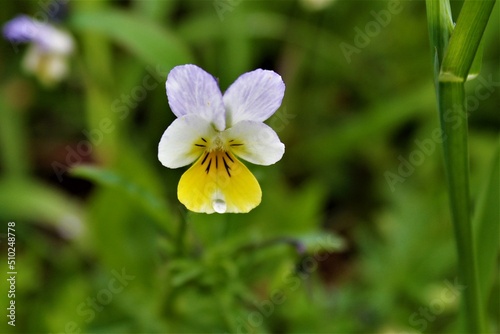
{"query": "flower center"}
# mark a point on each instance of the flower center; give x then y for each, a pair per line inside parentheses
(219, 165)
(218, 144)
(217, 153)
(218, 175)
(218, 158)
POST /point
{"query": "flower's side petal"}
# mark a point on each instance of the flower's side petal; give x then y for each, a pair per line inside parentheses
(191, 90)
(253, 96)
(219, 182)
(182, 142)
(255, 142)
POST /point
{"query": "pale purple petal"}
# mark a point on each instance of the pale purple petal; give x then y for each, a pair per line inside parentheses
(191, 90)
(23, 29)
(255, 142)
(178, 147)
(20, 29)
(253, 96)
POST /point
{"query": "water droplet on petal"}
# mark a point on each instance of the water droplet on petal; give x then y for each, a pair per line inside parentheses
(219, 205)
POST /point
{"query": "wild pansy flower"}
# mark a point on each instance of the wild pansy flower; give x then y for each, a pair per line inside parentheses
(213, 130)
(48, 51)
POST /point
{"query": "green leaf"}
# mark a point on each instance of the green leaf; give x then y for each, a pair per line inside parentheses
(487, 228)
(475, 68)
(183, 271)
(362, 128)
(27, 199)
(13, 154)
(156, 10)
(465, 40)
(96, 53)
(149, 201)
(322, 242)
(440, 26)
(147, 40)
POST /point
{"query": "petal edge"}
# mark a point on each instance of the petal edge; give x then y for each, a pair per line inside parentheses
(255, 142)
(191, 90)
(254, 96)
(177, 145)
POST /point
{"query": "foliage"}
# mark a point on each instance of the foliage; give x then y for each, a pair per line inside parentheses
(353, 234)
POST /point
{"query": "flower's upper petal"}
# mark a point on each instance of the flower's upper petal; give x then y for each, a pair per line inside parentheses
(255, 142)
(191, 90)
(253, 96)
(20, 29)
(50, 39)
(184, 141)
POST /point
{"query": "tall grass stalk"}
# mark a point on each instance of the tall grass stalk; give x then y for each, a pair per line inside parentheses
(454, 50)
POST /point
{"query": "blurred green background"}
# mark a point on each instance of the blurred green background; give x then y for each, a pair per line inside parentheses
(353, 234)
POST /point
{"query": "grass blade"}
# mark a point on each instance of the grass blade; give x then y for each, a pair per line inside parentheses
(14, 155)
(148, 41)
(440, 24)
(465, 40)
(475, 68)
(487, 228)
(149, 201)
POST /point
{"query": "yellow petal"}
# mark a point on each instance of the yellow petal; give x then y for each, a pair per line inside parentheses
(218, 182)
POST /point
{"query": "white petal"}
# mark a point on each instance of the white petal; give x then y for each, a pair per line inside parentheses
(50, 68)
(254, 96)
(32, 59)
(191, 90)
(182, 142)
(255, 142)
(56, 41)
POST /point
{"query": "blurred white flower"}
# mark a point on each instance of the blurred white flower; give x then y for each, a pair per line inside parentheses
(47, 56)
(71, 226)
(316, 4)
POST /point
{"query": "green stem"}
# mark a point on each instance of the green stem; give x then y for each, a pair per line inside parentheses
(97, 61)
(453, 117)
(454, 50)
(181, 234)
(248, 248)
(14, 155)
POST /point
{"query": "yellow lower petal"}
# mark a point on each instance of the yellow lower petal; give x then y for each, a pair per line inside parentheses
(218, 182)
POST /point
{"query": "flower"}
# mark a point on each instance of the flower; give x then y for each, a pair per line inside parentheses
(49, 49)
(316, 4)
(213, 130)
